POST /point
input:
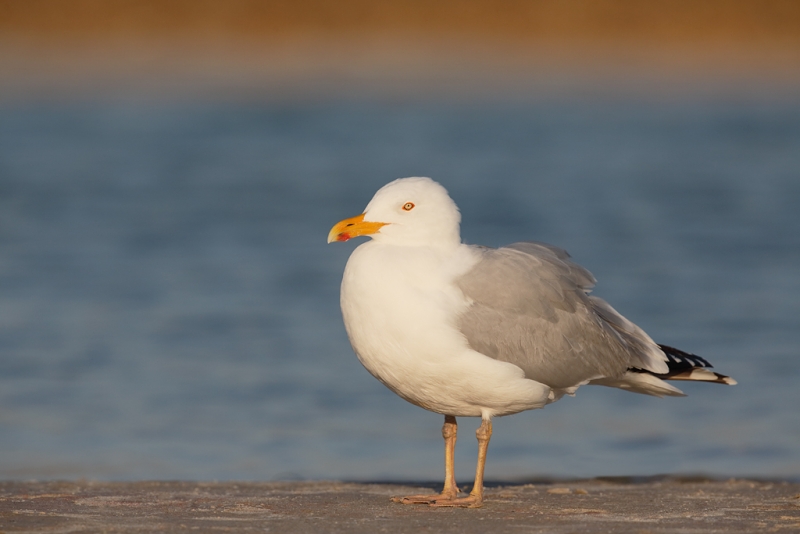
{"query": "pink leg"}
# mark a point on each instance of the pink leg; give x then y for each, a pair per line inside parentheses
(450, 491)
(475, 498)
(449, 496)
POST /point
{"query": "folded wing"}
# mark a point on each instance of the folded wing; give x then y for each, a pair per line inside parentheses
(530, 306)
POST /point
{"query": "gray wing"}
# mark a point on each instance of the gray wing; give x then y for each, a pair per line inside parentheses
(531, 307)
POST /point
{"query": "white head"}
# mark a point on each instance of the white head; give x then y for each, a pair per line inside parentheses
(408, 211)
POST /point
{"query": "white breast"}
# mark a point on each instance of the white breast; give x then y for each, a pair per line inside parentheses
(400, 309)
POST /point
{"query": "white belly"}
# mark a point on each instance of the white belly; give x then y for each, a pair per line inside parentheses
(400, 312)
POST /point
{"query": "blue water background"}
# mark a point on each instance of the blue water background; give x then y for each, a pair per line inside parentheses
(169, 307)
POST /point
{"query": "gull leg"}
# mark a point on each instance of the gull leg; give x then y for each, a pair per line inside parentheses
(450, 491)
(450, 433)
(475, 498)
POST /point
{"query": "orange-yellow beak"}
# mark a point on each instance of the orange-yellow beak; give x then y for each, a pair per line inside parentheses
(353, 227)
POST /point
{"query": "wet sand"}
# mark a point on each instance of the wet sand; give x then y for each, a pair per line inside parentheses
(597, 505)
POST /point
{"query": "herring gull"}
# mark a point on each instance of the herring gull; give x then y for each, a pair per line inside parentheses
(465, 330)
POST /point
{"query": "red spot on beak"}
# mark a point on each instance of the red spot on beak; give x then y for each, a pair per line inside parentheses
(353, 227)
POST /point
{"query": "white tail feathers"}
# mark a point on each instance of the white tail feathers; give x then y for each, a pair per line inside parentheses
(641, 382)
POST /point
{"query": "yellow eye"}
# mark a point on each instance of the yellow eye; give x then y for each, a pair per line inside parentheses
(408, 206)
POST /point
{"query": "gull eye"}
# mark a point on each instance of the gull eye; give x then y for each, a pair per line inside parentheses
(408, 206)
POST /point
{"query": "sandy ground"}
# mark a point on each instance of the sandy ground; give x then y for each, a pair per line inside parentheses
(612, 505)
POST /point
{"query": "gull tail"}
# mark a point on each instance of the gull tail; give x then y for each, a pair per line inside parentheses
(682, 366)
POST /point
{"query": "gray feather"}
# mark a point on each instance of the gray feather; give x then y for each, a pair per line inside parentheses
(530, 307)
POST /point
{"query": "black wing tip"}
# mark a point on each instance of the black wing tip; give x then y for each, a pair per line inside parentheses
(681, 358)
(687, 366)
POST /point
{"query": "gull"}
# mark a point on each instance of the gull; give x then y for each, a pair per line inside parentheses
(473, 331)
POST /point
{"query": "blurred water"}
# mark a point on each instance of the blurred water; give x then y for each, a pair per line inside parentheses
(169, 307)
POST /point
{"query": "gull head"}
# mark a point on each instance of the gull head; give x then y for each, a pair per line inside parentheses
(408, 211)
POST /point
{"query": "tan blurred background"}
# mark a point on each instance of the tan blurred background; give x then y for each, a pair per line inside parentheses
(242, 47)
